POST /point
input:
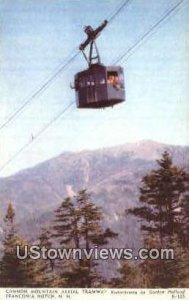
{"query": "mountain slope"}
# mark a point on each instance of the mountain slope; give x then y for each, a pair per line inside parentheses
(112, 175)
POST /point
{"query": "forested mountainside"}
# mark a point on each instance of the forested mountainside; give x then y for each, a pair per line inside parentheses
(111, 175)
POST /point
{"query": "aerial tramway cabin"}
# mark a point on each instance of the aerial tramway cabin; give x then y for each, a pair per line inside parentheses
(98, 86)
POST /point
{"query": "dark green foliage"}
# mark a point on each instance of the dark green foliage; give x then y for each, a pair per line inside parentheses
(15, 272)
(45, 241)
(160, 197)
(164, 215)
(129, 276)
(90, 227)
(65, 222)
(184, 232)
(91, 234)
(48, 276)
(166, 273)
(78, 225)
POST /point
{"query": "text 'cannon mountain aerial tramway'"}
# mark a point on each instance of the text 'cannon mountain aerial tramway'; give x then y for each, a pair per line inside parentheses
(98, 86)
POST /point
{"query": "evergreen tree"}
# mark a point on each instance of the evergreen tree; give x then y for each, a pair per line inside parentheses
(160, 195)
(91, 234)
(165, 273)
(14, 271)
(184, 232)
(78, 225)
(48, 276)
(129, 276)
(65, 224)
(45, 241)
(65, 234)
(90, 222)
(161, 214)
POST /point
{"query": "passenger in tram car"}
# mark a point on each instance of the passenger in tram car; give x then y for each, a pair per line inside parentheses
(114, 81)
(110, 79)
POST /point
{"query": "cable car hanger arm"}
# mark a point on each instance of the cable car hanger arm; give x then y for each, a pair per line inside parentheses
(92, 34)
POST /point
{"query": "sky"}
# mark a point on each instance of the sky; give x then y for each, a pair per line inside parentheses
(36, 37)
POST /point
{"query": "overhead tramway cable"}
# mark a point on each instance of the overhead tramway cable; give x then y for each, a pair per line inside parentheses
(34, 138)
(49, 80)
(152, 29)
(44, 86)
